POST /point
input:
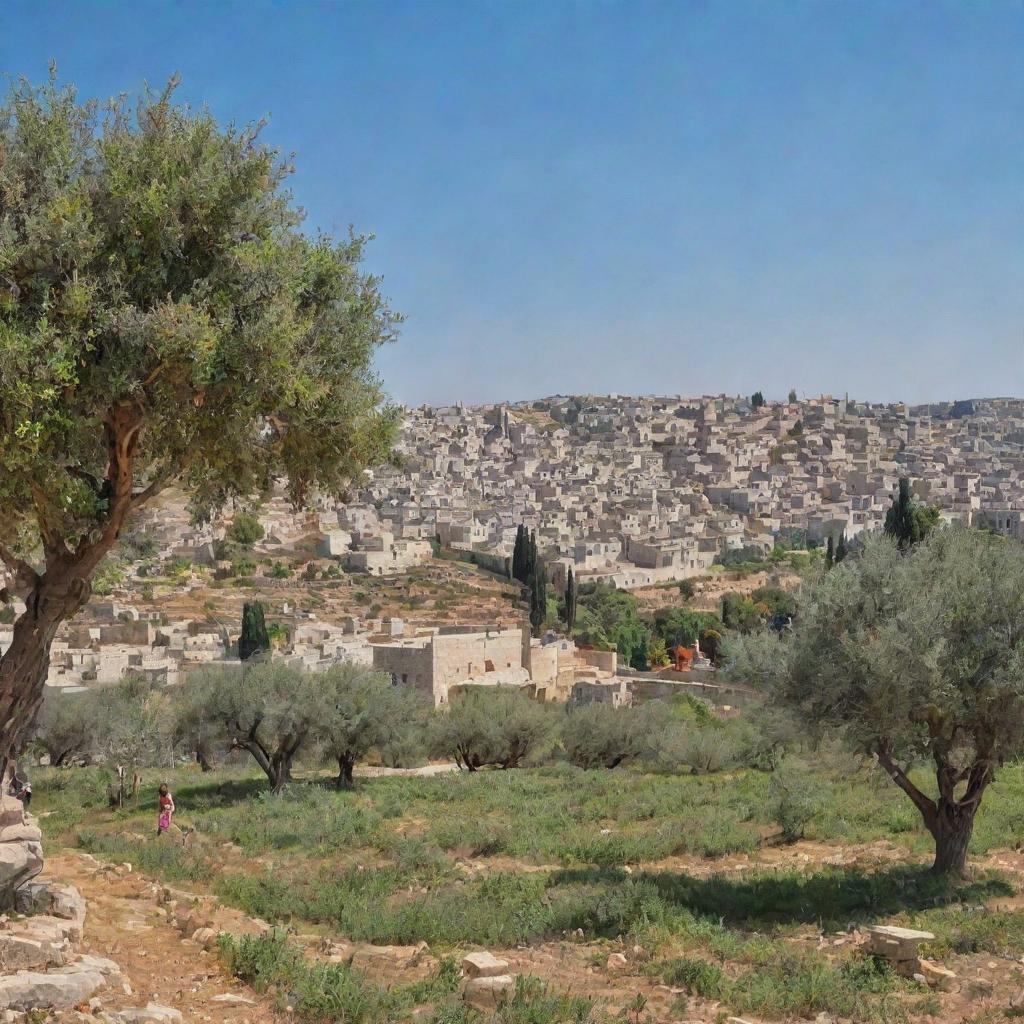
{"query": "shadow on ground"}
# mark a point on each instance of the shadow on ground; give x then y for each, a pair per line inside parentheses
(833, 898)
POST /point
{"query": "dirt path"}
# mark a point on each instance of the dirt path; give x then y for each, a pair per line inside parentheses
(125, 923)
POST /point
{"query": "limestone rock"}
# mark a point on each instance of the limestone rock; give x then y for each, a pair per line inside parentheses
(616, 962)
(151, 1013)
(483, 965)
(897, 945)
(45, 926)
(936, 975)
(31, 951)
(487, 993)
(57, 990)
(367, 956)
(205, 937)
(21, 850)
(98, 964)
(66, 902)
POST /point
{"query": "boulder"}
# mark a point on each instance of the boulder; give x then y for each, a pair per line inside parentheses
(66, 902)
(616, 962)
(21, 850)
(45, 925)
(483, 965)
(98, 964)
(487, 993)
(33, 898)
(20, 951)
(205, 937)
(56, 899)
(936, 975)
(56, 990)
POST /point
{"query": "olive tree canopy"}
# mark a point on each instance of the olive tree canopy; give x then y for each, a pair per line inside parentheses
(918, 657)
(162, 320)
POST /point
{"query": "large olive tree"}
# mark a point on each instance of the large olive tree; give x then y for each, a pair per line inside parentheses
(362, 710)
(162, 320)
(273, 711)
(918, 656)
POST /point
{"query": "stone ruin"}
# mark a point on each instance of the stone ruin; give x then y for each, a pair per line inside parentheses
(41, 930)
(899, 947)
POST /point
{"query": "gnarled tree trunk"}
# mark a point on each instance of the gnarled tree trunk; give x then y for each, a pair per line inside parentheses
(950, 819)
(55, 594)
(345, 766)
(52, 598)
(952, 828)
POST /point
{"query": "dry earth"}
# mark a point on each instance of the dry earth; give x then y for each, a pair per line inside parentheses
(126, 924)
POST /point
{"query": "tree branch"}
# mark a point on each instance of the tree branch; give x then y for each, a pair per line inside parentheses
(980, 776)
(925, 805)
(23, 572)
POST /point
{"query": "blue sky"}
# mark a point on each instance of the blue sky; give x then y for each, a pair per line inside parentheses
(638, 197)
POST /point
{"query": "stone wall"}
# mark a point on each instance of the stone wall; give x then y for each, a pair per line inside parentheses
(460, 656)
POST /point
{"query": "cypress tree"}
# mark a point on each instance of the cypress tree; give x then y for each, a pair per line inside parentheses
(830, 555)
(254, 636)
(841, 551)
(538, 599)
(570, 601)
(900, 521)
(531, 558)
(517, 555)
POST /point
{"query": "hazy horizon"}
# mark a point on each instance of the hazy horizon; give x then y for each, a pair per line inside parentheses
(687, 396)
(588, 197)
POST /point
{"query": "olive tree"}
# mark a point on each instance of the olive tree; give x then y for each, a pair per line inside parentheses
(918, 657)
(271, 711)
(163, 320)
(362, 711)
(598, 735)
(491, 726)
(68, 727)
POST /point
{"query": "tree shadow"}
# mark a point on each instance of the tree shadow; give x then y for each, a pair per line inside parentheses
(834, 898)
(216, 793)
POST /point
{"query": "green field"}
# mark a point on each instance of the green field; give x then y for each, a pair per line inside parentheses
(519, 858)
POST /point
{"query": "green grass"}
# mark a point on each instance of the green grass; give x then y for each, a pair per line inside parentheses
(551, 815)
(443, 859)
(792, 984)
(320, 992)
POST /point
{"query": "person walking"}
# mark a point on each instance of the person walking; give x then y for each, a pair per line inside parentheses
(165, 809)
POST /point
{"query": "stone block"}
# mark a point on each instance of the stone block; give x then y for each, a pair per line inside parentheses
(483, 965)
(487, 993)
(897, 945)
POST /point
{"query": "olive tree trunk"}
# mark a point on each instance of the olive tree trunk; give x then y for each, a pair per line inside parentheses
(53, 597)
(63, 587)
(345, 766)
(952, 830)
(949, 819)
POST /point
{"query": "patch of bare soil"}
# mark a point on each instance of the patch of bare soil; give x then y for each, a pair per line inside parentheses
(130, 923)
(125, 923)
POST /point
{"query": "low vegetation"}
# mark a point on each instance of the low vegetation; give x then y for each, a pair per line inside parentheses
(506, 859)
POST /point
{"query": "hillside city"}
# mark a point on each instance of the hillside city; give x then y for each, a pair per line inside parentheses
(633, 493)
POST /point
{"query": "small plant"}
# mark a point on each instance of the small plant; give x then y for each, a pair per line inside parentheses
(697, 977)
